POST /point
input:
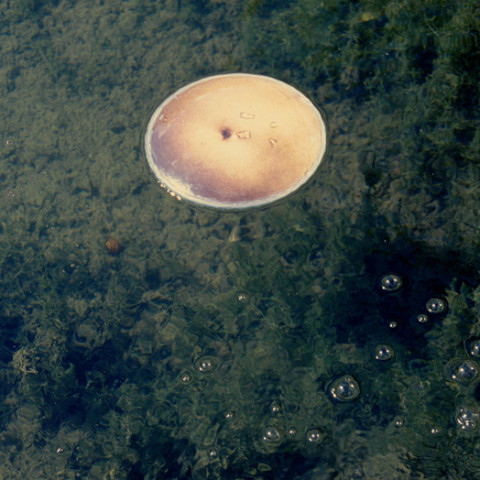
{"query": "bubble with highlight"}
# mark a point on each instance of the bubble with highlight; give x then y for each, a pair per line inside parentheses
(462, 371)
(314, 435)
(391, 282)
(467, 417)
(213, 453)
(275, 408)
(205, 364)
(422, 318)
(398, 421)
(472, 346)
(271, 435)
(344, 389)
(185, 377)
(436, 305)
(384, 352)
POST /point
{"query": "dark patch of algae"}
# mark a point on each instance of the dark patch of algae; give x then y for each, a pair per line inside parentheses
(215, 345)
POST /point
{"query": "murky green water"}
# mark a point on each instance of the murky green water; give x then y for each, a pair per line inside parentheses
(240, 345)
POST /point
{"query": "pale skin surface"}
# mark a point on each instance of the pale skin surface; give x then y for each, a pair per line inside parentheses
(235, 140)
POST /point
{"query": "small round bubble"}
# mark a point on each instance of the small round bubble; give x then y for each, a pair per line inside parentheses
(472, 345)
(391, 282)
(393, 324)
(462, 370)
(205, 364)
(186, 377)
(344, 389)
(467, 417)
(271, 434)
(314, 435)
(398, 422)
(422, 318)
(275, 408)
(383, 352)
(436, 305)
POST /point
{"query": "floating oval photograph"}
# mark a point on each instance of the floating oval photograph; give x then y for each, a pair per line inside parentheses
(235, 141)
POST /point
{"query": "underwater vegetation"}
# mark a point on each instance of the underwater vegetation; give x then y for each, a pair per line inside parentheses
(409, 75)
(335, 335)
(306, 375)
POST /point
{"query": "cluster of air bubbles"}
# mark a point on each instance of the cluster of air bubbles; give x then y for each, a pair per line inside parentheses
(462, 371)
(384, 352)
(436, 305)
(467, 417)
(472, 346)
(272, 436)
(391, 282)
(203, 365)
(344, 389)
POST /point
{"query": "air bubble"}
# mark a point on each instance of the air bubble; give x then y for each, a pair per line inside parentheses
(186, 377)
(436, 305)
(422, 318)
(314, 435)
(472, 346)
(393, 324)
(467, 417)
(391, 282)
(205, 364)
(398, 421)
(213, 453)
(271, 434)
(273, 124)
(344, 389)
(275, 408)
(247, 116)
(462, 371)
(384, 352)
